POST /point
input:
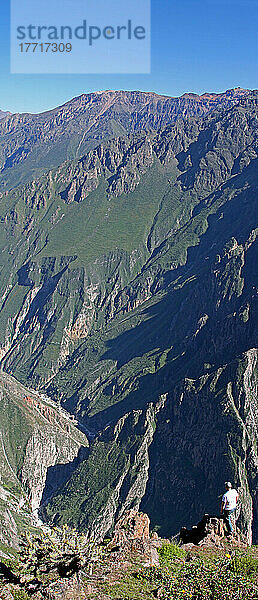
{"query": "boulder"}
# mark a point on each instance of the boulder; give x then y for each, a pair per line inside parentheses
(132, 533)
(210, 531)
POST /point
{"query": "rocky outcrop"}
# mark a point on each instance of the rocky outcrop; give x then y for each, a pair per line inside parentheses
(132, 534)
(43, 451)
(123, 162)
(210, 532)
(133, 525)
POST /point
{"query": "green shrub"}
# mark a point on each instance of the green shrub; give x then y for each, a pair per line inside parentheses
(20, 595)
(62, 549)
(200, 579)
(168, 552)
(243, 564)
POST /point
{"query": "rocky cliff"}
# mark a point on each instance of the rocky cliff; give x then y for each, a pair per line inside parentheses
(112, 479)
(35, 437)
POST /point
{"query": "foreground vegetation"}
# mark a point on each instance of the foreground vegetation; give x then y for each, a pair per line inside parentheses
(209, 576)
(59, 558)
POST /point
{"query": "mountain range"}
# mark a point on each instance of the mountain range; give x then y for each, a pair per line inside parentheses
(128, 246)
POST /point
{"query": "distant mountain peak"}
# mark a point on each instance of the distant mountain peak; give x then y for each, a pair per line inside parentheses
(4, 113)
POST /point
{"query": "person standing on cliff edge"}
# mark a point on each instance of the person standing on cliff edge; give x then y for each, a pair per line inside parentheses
(228, 506)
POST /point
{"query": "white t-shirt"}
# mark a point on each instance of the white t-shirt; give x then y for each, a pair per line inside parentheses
(230, 499)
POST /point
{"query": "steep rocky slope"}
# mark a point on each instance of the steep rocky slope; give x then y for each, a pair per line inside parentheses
(128, 281)
(39, 448)
(112, 479)
(31, 144)
(210, 428)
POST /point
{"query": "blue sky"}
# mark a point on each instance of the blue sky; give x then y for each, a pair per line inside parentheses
(197, 46)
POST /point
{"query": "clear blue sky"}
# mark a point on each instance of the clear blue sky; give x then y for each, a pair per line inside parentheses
(197, 46)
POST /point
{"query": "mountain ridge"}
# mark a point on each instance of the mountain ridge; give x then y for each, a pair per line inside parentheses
(78, 125)
(194, 95)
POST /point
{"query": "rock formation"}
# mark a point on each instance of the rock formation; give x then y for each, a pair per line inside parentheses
(132, 534)
(210, 532)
